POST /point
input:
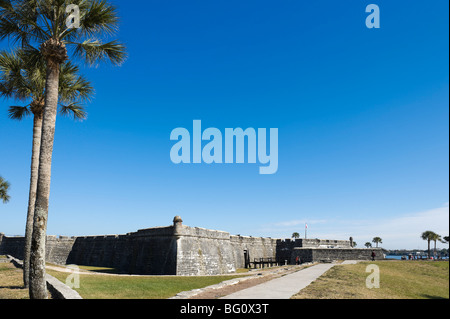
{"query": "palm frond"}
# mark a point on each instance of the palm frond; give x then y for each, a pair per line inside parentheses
(18, 112)
(19, 22)
(23, 76)
(72, 86)
(4, 186)
(32, 57)
(18, 78)
(11, 76)
(73, 109)
(34, 22)
(97, 17)
(9, 62)
(94, 51)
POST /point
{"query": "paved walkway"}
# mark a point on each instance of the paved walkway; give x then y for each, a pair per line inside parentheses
(284, 287)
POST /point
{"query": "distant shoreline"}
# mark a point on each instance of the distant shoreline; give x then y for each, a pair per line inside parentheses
(399, 257)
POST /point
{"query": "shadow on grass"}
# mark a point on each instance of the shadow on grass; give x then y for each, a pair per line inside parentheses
(102, 270)
(433, 297)
(12, 287)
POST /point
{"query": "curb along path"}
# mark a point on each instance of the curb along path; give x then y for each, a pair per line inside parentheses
(58, 289)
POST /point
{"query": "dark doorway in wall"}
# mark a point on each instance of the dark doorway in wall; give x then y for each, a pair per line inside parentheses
(247, 258)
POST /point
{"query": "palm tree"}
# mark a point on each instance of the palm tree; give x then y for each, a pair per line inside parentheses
(295, 235)
(377, 240)
(22, 76)
(428, 236)
(4, 186)
(43, 23)
(368, 245)
(435, 238)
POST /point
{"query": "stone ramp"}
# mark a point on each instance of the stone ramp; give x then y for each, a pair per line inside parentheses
(284, 287)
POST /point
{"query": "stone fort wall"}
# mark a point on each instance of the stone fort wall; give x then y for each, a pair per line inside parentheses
(329, 254)
(182, 250)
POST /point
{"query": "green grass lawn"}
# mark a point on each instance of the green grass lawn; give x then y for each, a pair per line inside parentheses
(11, 282)
(98, 286)
(137, 287)
(398, 280)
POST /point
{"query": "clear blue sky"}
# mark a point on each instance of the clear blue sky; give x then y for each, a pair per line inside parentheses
(362, 114)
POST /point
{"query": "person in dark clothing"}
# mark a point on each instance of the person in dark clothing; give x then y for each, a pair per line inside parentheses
(373, 255)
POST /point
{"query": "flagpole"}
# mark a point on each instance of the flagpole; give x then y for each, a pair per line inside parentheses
(306, 227)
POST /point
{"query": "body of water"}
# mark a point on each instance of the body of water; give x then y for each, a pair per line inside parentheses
(393, 257)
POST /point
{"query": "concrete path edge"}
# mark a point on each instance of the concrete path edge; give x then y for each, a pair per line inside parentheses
(56, 287)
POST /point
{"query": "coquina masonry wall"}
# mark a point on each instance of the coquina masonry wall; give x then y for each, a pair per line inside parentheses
(330, 254)
(255, 247)
(149, 251)
(206, 252)
(203, 252)
(183, 250)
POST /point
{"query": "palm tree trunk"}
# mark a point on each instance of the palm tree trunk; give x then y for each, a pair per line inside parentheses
(37, 130)
(37, 261)
(429, 248)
